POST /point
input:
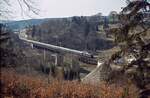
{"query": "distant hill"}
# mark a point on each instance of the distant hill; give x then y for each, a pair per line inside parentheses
(78, 32)
(18, 25)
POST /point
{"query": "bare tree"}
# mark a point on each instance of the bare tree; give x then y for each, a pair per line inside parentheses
(26, 6)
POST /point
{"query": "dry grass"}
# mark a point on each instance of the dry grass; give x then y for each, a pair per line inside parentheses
(21, 86)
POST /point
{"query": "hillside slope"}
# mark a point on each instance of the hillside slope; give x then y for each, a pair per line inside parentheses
(81, 33)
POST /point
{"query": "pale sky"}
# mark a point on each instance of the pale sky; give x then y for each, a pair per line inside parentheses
(68, 8)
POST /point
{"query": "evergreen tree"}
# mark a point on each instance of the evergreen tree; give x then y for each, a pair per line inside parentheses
(134, 40)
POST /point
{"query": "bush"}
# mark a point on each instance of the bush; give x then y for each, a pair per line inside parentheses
(21, 86)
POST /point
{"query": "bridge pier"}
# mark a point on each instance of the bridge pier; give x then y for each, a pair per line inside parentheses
(58, 59)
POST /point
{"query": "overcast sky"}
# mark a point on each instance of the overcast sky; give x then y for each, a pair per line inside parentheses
(67, 8)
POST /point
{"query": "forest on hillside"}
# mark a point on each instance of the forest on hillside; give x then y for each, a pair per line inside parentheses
(81, 33)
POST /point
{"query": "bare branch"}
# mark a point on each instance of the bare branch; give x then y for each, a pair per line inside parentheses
(7, 2)
(26, 6)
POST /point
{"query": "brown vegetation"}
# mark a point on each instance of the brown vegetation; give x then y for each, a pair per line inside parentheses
(14, 85)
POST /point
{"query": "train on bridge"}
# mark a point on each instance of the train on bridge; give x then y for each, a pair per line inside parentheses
(83, 56)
